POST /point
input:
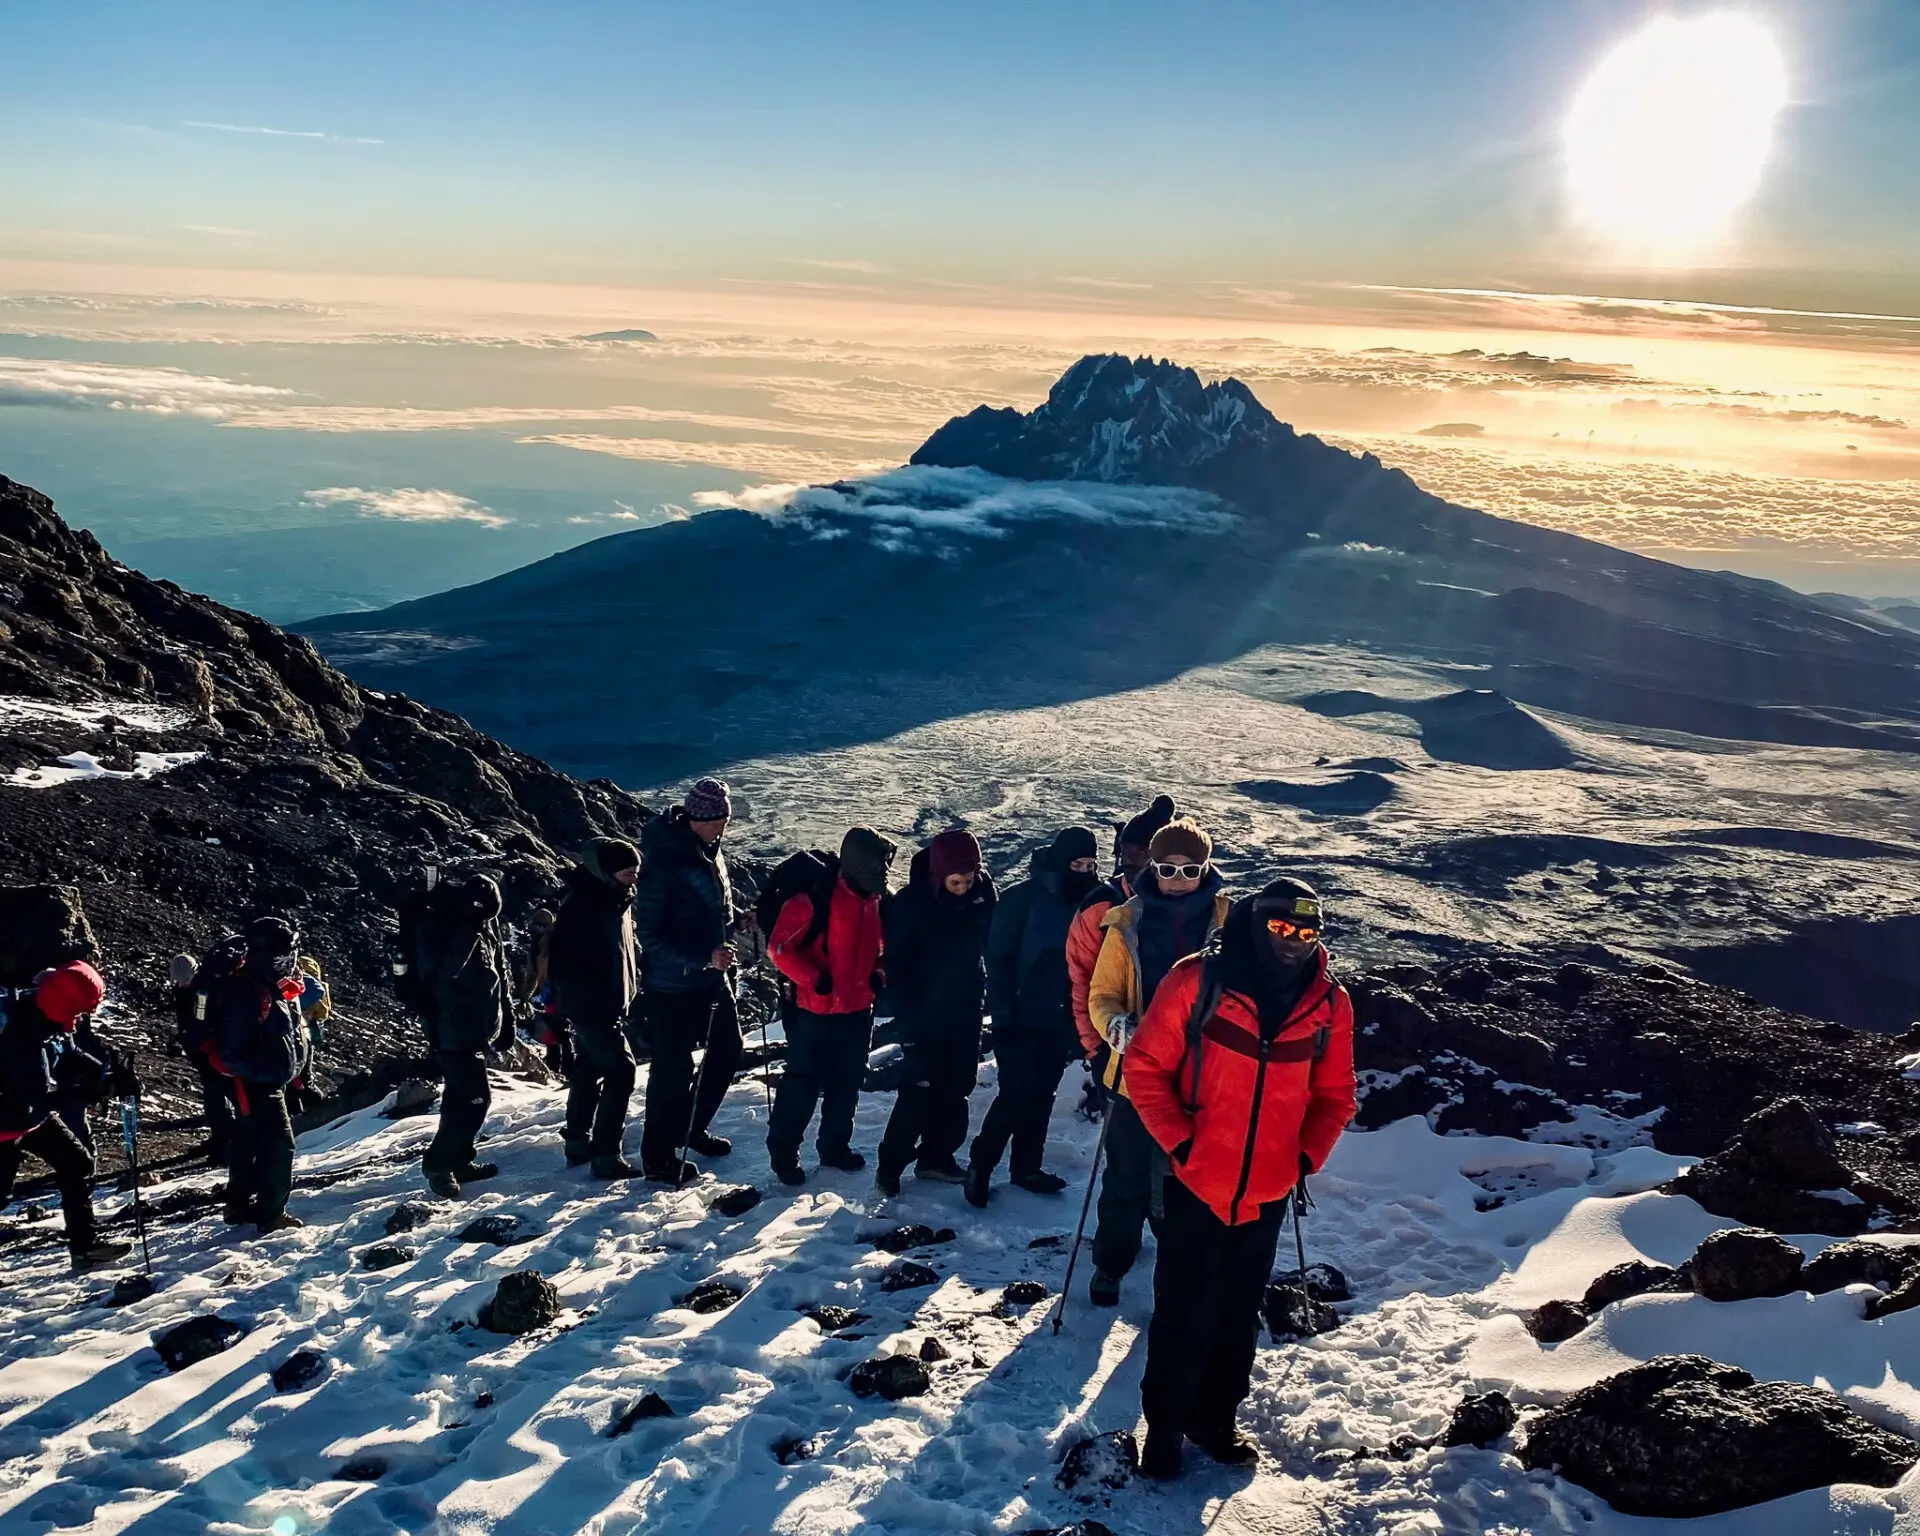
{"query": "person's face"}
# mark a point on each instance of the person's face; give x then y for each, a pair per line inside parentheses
(1133, 859)
(626, 876)
(1293, 943)
(1087, 866)
(709, 832)
(959, 884)
(1178, 877)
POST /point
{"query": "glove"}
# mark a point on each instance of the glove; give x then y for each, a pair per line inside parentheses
(123, 1082)
(1120, 1030)
(823, 984)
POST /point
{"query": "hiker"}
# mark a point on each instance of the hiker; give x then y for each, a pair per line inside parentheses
(257, 1039)
(1130, 855)
(1031, 1000)
(466, 987)
(191, 1035)
(683, 913)
(936, 929)
(594, 966)
(37, 1056)
(533, 990)
(827, 943)
(1242, 1073)
(1178, 901)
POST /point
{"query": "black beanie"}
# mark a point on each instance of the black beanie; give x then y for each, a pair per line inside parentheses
(1139, 832)
(1289, 898)
(272, 936)
(1070, 844)
(607, 856)
(865, 858)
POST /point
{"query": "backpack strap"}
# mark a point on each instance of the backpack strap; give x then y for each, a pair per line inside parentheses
(1205, 1003)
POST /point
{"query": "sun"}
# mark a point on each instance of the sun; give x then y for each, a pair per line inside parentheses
(1669, 135)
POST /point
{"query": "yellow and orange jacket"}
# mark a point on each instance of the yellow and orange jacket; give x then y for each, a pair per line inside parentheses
(1114, 991)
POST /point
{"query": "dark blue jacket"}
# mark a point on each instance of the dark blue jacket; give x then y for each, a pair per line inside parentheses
(1028, 988)
(682, 907)
(256, 1034)
(37, 1060)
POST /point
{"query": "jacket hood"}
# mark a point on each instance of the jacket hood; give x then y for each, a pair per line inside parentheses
(589, 886)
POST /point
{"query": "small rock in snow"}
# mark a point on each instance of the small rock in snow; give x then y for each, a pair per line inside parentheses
(130, 1288)
(414, 1096)
(1633, 1278)
(1106, 1461)
(299, 1370)
(832, 1319)
(410, 1215)
(1556, 1321)
(1290, 1316)
(712, 1296)
(890, 1376)
(198, 1338)
(387, 1256)
(522, 1302)
(735, 1200)
(1078, 1528)
(905, 1275)
(1480, 1420)
(900, 1239)
(1744, 1263)
(501, 1229)
(1324, 1282)
(651, 1406)
(362, 1469)
(1903, 1299)
(1024, 1293)
(791, 1448)
(931, 1349)
(1051, 1240)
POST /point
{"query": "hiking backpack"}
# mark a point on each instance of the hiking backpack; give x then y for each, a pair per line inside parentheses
(1206, 1002)
(810, 873)
(217, 965)
(432, 919)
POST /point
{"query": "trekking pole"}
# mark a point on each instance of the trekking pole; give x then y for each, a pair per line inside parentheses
(130, 1130)
(1073, 1254)
(693, 1111)
(1301, 1200)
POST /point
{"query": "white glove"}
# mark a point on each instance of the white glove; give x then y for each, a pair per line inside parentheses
(1120, 1030)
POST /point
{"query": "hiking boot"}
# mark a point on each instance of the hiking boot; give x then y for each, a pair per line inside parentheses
(844, 1158)
(787, 1169)
(1103, 1290)
(1227, 1446)
(284, 1222)
(706, 1144)
(577, 1154)
(1161, 1459)
(474, 1173)
(979, 1181)
(97, 1253)
(678, 1172)
(614, 1167)
(1040, 1182)
(441, 1182)
(237, 1213)
(887, 1182)
(943, 1171)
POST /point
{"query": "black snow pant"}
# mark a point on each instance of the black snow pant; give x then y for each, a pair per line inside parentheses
(678, 1024)
(71, 1107)
(53, 1142)
(598, 1089)
(929, 1119)
(1208, 1281)
(826, 1063)
(216, 1103)
(1030, 1073)
(260, 1167)
(1126, 1188)
(464, 1102)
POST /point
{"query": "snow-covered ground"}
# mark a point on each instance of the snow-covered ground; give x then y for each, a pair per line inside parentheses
(75, 767)
(481, 1433)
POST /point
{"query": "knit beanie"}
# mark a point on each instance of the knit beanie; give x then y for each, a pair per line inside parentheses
(1138, 833)
(955, 852)
(607, 856)
(68, 991)
(1181, 842)
(865, 858)
(1072, 843)
(709, 800)
(181, 970)
(1289, 898)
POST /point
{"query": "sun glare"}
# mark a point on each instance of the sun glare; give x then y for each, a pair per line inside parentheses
(1668, 137)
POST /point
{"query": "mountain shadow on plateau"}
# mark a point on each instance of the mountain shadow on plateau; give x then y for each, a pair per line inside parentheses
(1349, 794)
(866, 609)
(1862, 972)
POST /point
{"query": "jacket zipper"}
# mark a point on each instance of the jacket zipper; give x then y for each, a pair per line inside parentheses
(1253, 1127)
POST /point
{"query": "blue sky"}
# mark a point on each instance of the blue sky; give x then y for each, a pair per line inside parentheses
(1411, 141)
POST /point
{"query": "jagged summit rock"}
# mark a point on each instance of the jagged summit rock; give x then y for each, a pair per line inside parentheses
(1110, 418)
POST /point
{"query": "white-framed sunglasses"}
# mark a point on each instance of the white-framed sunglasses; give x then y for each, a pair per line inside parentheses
(1178, 871)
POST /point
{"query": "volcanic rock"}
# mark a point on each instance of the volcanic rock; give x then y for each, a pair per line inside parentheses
(736, 1200)
(1555, 1322)
(523, 1302)
(832, 1319)
(501, 1230)
(905, 1275)
(1633, 1278)
(410, 1215)
(650, 1406)
(363, 1469)
(130, 1288)
(932, 1350)
(1779, 1172)
(413, 1096)
(1745, 1263)
(198, 1338)
(1290, 1316)
(40, 926)
(299, 1370)
(1904, 1298)
(918, 1235)
(387, 1256)
(1024, 1293)
(1104, 1462)
(712, 1296)
(1480, 1420)
(1860, 1261)
(1324, 1282)
(890, 1376)
(1683, 1436)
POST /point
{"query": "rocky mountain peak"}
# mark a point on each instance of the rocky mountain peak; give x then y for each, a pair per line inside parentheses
(1136, 421)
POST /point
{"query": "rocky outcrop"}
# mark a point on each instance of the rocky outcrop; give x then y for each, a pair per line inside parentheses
(1781, 1171)
(1743, 1264)
(1682, 1436)
(523, 1302)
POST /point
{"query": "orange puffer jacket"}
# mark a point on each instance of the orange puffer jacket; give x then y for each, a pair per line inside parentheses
(1261, 1104)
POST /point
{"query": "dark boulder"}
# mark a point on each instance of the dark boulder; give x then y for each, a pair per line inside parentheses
(1790, 1143)
(900, 1239)
(1633, 1278)
(650, 1406)
(905, 1275)
(832, 1319)
(1556, 1321)
(299, 1370)
(933, 1351)
(1024, 1293)
(1745, 1263)
(387, 1256)
(1102, 1463)
(712, 1296)
(1481, 1419)
(1861, 1262)
(197, 1339)
(410, 1216)
(890, 1376)
(736, 1200)
(1904, 1298)
(1290, 1315)
(1780, 1171)
(523, 1302)
(1324, 1282)
(1683, 1436)
(501, 1230)
(131, 1288)
(41, 926)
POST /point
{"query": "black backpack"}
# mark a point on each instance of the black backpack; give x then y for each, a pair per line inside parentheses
(1206, 1003)
(217, 966)
(431, 920)
(810, 873)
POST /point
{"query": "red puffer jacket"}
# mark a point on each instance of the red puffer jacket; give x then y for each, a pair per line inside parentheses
(1261, 1105)
(846, 956)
